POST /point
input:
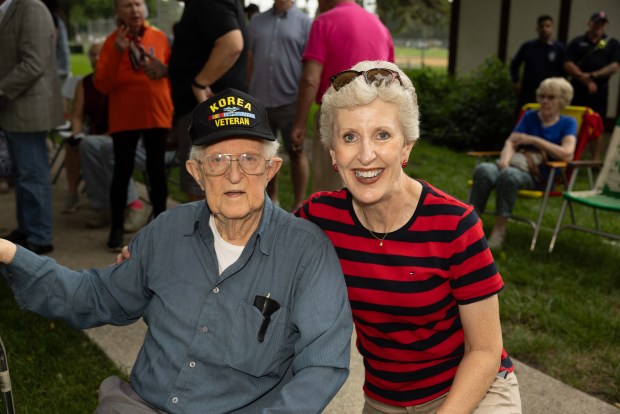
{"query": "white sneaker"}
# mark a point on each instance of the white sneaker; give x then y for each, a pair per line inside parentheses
(135, 218)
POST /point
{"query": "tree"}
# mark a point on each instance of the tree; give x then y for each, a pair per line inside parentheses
(401, 15)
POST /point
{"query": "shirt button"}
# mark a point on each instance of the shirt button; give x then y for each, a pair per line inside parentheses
(205, 329)
(192, 364)
(216, 290)
(175, 400)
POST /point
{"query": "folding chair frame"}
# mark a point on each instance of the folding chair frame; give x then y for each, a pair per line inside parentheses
(603, 198)
(5, 381)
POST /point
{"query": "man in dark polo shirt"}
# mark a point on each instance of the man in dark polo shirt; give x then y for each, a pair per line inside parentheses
(541, 58)
(591, 59)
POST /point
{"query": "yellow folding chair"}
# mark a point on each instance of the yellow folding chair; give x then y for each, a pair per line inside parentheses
(557, 168)
(604, 196)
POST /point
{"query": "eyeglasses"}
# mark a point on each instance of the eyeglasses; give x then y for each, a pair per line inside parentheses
(376, 75)
(218, 164)
(542, 96)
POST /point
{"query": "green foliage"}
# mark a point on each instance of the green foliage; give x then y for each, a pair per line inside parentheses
(400, 16)
(475, 111)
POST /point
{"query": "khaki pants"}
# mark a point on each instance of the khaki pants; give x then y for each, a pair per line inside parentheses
(502, 398)
(118, 397)
(324, 178)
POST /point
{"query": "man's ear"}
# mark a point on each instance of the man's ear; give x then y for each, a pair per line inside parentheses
(273, 168)
(193, 169)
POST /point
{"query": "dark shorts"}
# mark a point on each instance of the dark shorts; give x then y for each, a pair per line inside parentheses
(281, 119)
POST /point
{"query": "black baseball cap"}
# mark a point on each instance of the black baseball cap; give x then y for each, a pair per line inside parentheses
(229, 114)
(599, 16)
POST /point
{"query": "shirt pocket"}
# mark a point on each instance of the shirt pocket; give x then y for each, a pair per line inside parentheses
(245, 353)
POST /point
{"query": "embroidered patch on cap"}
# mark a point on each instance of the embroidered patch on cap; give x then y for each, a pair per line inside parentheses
(230, 113)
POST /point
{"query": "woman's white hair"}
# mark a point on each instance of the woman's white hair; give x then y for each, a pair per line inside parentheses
(358, 93)
(270, 150)
(559, 87)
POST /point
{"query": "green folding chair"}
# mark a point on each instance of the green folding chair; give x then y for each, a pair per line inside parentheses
(605, 195)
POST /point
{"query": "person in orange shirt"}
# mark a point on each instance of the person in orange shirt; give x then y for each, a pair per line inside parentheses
(132, 70)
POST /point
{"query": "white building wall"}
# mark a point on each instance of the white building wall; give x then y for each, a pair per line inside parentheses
(478, 33)
(478, 36)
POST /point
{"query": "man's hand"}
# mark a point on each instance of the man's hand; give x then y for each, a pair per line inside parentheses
(298, 136)
(154, 68)
(7, 251)
(202, 94)
(123, 255)
(122, 40)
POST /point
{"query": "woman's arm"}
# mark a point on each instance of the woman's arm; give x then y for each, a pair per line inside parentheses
(507, 152)
(77, 114)
(563, 152)
(482, 359)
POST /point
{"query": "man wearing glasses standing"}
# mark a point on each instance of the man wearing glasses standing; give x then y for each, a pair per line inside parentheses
(246, 305)
(342, 35)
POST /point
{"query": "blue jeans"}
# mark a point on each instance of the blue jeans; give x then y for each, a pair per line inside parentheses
(33, 188)
(507, 183)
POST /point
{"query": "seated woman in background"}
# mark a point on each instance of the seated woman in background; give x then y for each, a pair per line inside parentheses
(539, 135)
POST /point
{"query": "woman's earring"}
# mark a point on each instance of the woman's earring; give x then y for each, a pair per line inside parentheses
(404, 164)
(335, 167)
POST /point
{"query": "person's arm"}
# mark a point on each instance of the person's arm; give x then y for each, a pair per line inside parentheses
(515, 66)
(34, 51)
(508, 151)
(322, 316)
(482, 357)
(77, 114)
(82, 298)
(109, 61)
(563, 152)
(605, 71)
(249, 68)
(225, 53)
(308, 88)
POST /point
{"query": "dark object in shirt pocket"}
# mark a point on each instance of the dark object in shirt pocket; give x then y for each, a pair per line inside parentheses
(245, 353)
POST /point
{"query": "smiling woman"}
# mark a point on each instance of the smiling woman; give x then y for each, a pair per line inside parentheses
(421, 279)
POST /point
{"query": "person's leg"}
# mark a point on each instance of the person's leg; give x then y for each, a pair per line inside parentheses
(118, 397)
(300, 169)
(188, 184)
(484, 181)
(33, 189)
(72, 171)
(324, 178)
(125, 143)
(502, 398)
(155, 145)
(509, 182)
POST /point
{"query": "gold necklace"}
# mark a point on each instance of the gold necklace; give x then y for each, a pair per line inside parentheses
(372, 233)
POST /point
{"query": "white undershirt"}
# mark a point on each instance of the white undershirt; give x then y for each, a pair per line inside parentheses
(226, 253)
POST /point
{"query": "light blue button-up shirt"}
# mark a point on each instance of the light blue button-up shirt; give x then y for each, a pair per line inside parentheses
(201, 353)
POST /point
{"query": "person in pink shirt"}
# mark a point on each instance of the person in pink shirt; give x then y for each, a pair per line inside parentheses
(342, 35)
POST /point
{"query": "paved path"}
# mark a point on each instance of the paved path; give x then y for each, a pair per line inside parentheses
(78, 247)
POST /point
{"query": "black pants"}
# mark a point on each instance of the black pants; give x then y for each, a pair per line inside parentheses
(125, 143)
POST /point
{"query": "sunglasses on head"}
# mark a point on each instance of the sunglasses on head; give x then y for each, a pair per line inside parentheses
(376, 75)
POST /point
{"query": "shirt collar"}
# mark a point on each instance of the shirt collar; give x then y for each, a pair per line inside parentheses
(262, 236)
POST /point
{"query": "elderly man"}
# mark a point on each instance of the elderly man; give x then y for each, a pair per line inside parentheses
(246, 304)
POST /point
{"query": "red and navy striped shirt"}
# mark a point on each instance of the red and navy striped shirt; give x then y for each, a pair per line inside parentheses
(405, 294)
